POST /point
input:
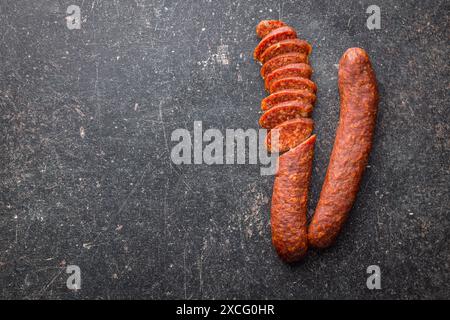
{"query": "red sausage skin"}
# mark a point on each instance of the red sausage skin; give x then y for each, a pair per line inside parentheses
(290, 200)
(352, 145)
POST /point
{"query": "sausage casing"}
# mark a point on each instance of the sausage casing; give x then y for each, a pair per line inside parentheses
(352, 145)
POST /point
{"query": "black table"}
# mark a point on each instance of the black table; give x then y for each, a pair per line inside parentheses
(86, 174)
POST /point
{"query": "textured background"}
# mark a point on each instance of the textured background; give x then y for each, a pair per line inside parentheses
(86, 178)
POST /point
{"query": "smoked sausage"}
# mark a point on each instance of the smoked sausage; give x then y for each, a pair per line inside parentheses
(301, 70)
(290, 134)
(273, 37)
(285, 46)
(283, 60)
(293, 83)
(266, 26)
(352, 145)
(287, 95)
(285, 111)
(290, 200)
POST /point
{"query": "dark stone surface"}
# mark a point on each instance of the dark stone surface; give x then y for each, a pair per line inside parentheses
(86, 176)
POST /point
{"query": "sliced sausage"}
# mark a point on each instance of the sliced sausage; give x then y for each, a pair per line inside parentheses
(293, 83)
(266, 26)
(283, 60)
(302, 70)
(283, 112)
(290, 201)
(290, 134)
(286, 46)
(352, 145)
(287, 95)
(273, 37)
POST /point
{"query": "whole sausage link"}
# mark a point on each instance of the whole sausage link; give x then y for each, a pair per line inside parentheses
(353, 142)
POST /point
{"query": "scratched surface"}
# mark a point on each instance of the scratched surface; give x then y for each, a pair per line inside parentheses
(86, 176)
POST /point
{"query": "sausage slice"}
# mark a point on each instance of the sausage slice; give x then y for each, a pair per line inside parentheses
(352, 145)
(273, 37)
(290, 134)
(293, 83)
(290, 201)
(287, 95)
(301, 70)
(285, 46)
(283, 112)
(266, 26)
(283, 60)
